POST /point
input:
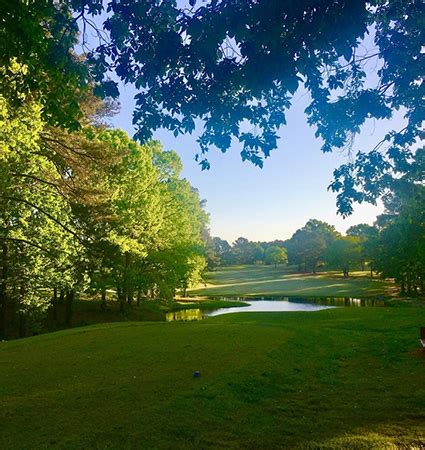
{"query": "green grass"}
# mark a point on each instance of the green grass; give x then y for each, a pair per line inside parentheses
(342, 378)
(254, 281)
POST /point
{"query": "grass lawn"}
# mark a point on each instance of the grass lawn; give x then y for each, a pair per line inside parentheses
(349, 377)
(252, 281)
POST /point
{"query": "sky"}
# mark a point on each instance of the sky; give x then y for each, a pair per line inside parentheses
(272, 202)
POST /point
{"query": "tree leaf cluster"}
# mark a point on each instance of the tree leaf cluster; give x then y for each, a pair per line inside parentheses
(233, 67)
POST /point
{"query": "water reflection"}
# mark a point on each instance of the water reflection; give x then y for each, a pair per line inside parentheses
(339, 301)
(283, 304)
(184, 315)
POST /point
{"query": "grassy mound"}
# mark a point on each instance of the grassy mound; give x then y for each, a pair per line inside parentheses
(334, 378)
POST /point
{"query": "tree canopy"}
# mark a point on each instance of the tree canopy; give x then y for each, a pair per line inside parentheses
(398, 251)
(87, 210)
(234, 66)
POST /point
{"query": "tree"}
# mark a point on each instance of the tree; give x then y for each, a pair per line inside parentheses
(247, 252)
(154, 223)
(307, 245)
(400, 246)
(224, 251)
(88, 209)
(42, 35)
(343, 253)
(307, 248)
(275, 255)
(211, 254)
(323, 229)
(192, 272)
(37, 235)
(205, 61)
(367, 236)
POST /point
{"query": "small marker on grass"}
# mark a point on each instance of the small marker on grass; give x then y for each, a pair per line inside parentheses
(197, 374)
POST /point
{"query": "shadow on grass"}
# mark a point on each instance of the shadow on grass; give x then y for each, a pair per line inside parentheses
(332, 379)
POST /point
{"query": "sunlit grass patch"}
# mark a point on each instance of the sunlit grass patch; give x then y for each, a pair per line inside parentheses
(266, 280)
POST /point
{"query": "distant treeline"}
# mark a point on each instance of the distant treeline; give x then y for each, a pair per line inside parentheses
(393, 248)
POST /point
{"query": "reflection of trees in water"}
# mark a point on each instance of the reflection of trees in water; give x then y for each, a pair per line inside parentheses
(197, 314)
(184, 315)
(340, 301)
(328, 301)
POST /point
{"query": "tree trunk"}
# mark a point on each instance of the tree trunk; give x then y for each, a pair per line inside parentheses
(139, 296)
(121, 298)
(103, 300)
(61, 296)
(127, 294)
(3, 292)
(21, 315)
(55, 304)
(409, 285)
(22, 325)
(68, 306)
(129, 297)
(402, 287)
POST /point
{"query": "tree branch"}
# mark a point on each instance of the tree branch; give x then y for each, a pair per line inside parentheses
(26, 202)
(32, 244)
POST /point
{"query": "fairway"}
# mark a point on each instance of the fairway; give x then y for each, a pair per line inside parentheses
(254, 281)
(336, 378)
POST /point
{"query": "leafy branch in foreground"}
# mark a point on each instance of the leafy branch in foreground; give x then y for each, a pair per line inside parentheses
(234, 66)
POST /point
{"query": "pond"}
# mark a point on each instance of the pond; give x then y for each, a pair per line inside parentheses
(285, 304)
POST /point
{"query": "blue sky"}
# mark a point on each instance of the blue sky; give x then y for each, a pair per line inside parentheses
(269, 203)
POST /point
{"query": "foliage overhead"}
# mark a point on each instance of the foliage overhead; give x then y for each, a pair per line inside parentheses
(235, 66)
